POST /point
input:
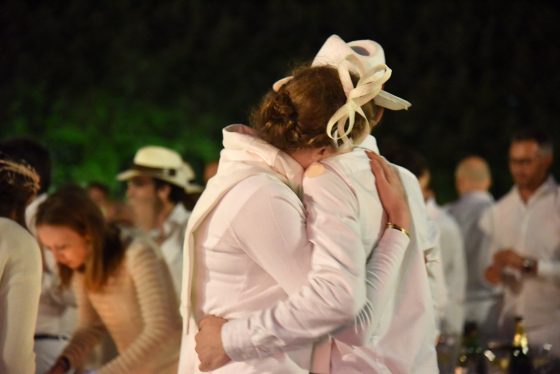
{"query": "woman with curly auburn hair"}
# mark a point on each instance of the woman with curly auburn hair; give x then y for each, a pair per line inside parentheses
(20, 268)
(122, 287)
(280, 276)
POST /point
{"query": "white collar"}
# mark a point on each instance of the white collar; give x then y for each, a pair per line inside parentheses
(369, 143)
(242, 144)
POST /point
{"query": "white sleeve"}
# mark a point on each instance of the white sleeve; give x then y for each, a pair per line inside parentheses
(486, 224)
(382, 273)
(335, 290)
(20, 284)
(548, 269)
(455, 271)
(436, 276)
(382, 269)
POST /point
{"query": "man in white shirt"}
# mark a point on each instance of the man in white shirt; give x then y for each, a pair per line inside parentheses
(524, 227)
(158, 183)
(483, 301)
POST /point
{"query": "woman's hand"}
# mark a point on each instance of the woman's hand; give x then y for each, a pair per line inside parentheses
(493, 274)
(59, 367)
(209, 346)
(391, 190)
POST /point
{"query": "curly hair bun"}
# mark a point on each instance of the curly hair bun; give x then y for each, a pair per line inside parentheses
(296, 116)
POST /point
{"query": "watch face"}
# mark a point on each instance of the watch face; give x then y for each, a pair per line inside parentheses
(529, 265)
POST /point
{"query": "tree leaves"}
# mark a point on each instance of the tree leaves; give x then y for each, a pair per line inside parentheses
(97, 80)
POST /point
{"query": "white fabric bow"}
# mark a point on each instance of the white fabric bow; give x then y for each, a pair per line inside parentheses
(369, 85)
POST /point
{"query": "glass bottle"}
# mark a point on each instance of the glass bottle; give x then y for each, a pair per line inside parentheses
(471, 359)
(520, 360)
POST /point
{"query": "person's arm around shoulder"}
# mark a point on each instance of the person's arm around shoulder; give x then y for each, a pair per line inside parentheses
(383, 268)
(310, 311)
(212, 338)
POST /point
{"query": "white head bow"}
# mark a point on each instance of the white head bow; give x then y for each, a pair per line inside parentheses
(369, 85)
(366, 59)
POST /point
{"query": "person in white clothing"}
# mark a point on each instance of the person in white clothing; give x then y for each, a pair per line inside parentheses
(455, 273)
(57, 308)
(451, 311)
(345, 221)
(524, 227)
(433, 257)
(483, 300)
(453, 259)
(159, 183)
(20, 268)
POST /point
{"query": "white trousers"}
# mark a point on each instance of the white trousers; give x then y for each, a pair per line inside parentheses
(46, 353)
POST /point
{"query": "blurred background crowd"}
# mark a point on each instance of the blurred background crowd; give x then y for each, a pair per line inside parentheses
(97, 81)
(128, 100)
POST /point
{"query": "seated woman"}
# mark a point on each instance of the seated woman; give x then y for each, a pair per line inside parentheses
(20, 268)
(122, 287)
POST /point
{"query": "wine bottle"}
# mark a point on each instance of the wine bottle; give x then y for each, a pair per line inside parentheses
(520, 359)
(471, 359)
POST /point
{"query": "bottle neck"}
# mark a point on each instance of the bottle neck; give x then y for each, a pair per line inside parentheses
(520, 338)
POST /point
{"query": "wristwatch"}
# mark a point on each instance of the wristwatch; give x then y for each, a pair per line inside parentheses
(529, 266)
(64, 363)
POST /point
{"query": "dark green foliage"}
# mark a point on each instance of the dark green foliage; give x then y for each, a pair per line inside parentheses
(97, 80)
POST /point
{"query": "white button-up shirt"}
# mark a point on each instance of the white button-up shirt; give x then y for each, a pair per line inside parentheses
(246, 246)
(533, 230)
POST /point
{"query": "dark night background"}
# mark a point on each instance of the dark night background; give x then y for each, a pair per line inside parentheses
(95, 80)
